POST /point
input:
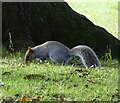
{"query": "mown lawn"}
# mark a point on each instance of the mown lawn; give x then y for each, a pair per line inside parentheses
(48, 81)
(101, 12)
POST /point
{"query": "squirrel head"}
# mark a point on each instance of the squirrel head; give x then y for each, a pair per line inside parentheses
(30, 50)
(28, 54)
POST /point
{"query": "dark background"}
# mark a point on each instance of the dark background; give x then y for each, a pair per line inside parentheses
(34, 23)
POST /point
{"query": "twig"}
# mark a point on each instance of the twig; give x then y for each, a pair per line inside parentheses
(11, 43)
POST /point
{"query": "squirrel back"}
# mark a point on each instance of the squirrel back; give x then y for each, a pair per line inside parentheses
(87, 56)
(53, 50)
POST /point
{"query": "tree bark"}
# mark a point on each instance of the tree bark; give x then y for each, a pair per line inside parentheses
(34, 23)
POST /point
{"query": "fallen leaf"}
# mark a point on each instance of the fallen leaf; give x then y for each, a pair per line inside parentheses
(79, 70)
(24, 98)
(37, 98)
(32, 76)
(6, 73)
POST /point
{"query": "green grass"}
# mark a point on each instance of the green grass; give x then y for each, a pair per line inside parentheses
(58, 82)
(65, 82)
(102, 13)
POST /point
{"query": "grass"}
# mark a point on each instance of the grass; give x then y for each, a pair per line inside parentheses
(102, 13)
(48, 81)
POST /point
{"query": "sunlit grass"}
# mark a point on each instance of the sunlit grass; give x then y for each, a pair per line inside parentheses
(102, 13)
(58, 82)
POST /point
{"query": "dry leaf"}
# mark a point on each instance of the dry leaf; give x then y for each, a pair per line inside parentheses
(32, 76)
(24, 98)
(38, 98)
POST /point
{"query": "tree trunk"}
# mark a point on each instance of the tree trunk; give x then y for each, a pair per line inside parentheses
(34, 23)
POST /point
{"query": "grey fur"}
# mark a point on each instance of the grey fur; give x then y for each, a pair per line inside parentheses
(60, 53)
(53, 50)
(87, 56)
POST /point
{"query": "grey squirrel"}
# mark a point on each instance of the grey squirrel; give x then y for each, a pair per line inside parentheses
(60, 53)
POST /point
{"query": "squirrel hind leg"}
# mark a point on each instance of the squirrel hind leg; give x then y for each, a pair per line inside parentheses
(90, 64)
(60, 58)
(95, 66)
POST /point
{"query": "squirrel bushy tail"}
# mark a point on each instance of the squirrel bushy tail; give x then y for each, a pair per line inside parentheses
(87, 56)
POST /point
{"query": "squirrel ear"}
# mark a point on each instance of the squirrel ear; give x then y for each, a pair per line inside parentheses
(30, 49)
